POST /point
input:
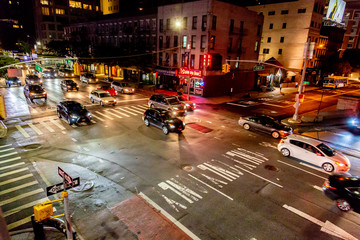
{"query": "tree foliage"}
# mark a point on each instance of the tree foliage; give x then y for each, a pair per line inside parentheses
(4, 61)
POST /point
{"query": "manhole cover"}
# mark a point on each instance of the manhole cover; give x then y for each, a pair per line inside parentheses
(271, 168)
(31, 147)
(84, 187)
(187, 168)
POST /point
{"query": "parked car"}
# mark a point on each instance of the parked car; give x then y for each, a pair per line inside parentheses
(88, 78)
(122, 87)
(10, 81)
(73, 112)
(66, 73)
(188, 104)
(265, 124)
(170, 103)
(163, 119)
(31, 79)
(315, 152)
(102, 97)
(108, 79)
(69, 84)
(108, 89)
(34, 92)
(345, 190)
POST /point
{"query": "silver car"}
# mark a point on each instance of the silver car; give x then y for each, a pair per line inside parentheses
(122, 87)
(170, 103)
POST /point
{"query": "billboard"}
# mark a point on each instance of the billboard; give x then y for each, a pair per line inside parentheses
(336, 10)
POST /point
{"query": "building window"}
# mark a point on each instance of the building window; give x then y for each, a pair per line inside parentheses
(160, 58)
(176, 41)
(280, 51)
(241, 26)
(269, 40)
(168, 24)
(204, 22)
(193, 41)
(161, 41)
(312, 24)
(203, 41)
(256, 46)
(75, 4)
(213, 24)
(302, 10)
(184, 42)
(88, 7)
(265, 50)
(271, 26)
(192, 60)
(230, 44)
(258, 30)
(175, 61)
(271, 13)
(282, 39)
(43, 2)
(185, 23)
(45, 11)
(161, 25)
(212, 42)
(194, 22)
(60, 11)
(167, 42)
(231, 30)
(284, 25)
(283, 12)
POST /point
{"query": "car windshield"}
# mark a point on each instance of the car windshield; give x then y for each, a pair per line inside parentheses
(173, 101)
(76, 107)
(102, 95)
(33, 77)
(326, 149)
(35, 88)
(69, 82)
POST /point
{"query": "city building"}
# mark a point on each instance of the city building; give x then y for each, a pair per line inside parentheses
(352, 22)
(109, 6)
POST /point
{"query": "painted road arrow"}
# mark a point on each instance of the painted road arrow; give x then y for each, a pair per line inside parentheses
(327, 226)
(51, 190)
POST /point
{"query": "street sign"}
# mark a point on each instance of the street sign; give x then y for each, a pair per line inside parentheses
(51, 190)
(306, 83)
(37, 67)
(67, 177)
(259, 68)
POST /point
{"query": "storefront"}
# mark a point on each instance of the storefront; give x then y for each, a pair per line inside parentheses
(192, 81)
(167, 79)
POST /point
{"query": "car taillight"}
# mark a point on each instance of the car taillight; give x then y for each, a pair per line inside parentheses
(281, 141)
(327, 184)
(240, 118)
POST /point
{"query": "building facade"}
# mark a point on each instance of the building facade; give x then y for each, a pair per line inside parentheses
(352, 22)
(109, 6)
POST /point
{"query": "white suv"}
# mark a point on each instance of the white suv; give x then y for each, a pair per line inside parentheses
(102, 97)
(315, 152)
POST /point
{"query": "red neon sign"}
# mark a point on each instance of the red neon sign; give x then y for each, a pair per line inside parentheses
(190, 72)
(207, 60)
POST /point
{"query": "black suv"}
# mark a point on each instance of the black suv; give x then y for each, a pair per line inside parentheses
(12, 81)
(34, 92)
(163, 119)
(32, 80)
(345, 190)
(69, 85)
(166, 102)
(73, 112)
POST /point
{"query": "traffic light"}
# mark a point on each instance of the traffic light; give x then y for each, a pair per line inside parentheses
(226, 68)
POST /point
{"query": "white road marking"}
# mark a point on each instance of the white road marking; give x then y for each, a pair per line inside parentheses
(231, 167)
(278, 185)
(275, 105)
(168, 216)
(134, 110)
(47, 126)
(35, 129)
(113, 114)
(318, 188)
(73, 126)
(98, 118)
(208, 122)
(10, 160)
(139, 108)
(315, 168)
(104, 115)
(21, 196)
(28, 205)
(74, 139)
(15, 179)
(22, 131)
(28, 184)
(93, 121)
(12, 166)
(119, 112)
(14, 172)
(18, 223)
(215, 180)
(33, 109)
(57, 124)
(302, 170)
(4, 146)
(187, 191)
(173, 203)
(211, 187)
(8, 154)
(241, 105)
(165, 186)
(249, 166)
(204, 168)
(127, 111)
(232, 154)
(5, 150)
(133, 100)
(223, 171)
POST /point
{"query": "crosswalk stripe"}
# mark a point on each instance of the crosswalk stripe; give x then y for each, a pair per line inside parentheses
(93, 121)
(8, 154)
(102, 120)
(21, 196)
(4, 146)
(47, 126)
(5, 150)
(57, 124)
(126, 111)
(134, 110)
(22, 131)
(31, 204)
(145, 105)
(140, 109)
(18, 223)
(35, 129)
(118, 116)
(13, 172)
(15, 179)
(28, 184)
(11, 166)
(9, 160)
(34, 110)
(74, 126)
(124, 114)
(104, 115)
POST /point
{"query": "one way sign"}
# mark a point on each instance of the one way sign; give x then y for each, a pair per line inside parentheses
(51, 190)
(64, 175)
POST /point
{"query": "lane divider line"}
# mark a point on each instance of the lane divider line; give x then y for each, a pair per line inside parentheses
(302, 170)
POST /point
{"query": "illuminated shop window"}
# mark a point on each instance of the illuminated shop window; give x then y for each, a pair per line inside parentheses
(87, 6)
(15, 26)
(60, 11)
(75, 4)
(44, 2)
(45, 11)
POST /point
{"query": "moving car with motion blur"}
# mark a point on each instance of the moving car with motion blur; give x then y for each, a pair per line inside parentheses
(344, 190)
(265, 124)
(170, 103)
(190, 106)
(163, 119)
(32, 79)
(73, 112)
(108, 89)
(122, 87)
(314, 152)
(34, 92)
(10, 81)
(49, 73)
(88, 78)
(102, 97)
(69, 84)
(66, 73)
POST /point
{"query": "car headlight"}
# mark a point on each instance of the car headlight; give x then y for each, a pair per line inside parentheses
(72, 74)
(187, 104)
(106, 101)
(55, 74)
(88, 115)
(175, 108)
(184, 123)
(171, 125)
(340, 164)
(74, 116)
(44, 92)
(126, 90)
(40, 81)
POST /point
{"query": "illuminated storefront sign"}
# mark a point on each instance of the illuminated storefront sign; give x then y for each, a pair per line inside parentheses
(190, 72)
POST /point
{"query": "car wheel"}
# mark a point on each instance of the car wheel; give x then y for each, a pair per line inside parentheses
(102, 103)
(152, 106)
(328, 167)
(92, 100)
(165, 130)
(285, 152)
(146, 121)
(69, 121)
(246, 126)
(58, 114)
(343, 205)
(275, 134)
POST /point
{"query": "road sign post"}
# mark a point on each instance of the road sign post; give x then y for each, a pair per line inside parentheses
(66, 178)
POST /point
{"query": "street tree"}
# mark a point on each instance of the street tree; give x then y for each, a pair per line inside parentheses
(5, 61)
